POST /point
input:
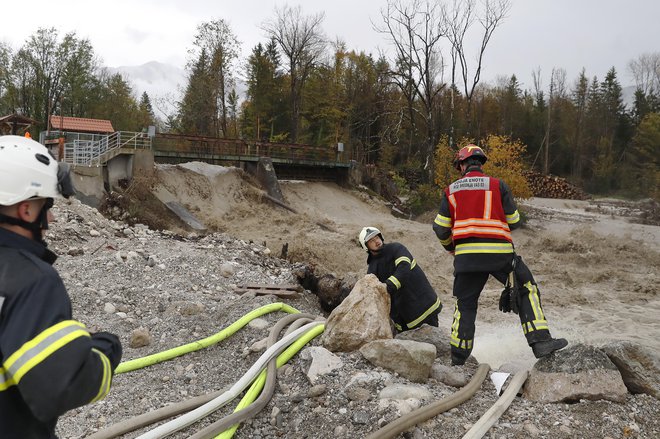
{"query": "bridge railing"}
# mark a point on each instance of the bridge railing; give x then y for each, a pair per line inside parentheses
(238, 148)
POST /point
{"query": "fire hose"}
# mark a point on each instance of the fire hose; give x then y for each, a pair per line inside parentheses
(185, 406)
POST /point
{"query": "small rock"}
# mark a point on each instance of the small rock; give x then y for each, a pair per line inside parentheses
(140, 338)
(75, 251)
(109, 308)
(94, 233)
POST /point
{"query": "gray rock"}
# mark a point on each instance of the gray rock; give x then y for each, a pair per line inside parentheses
(639, 366)
(410, 359)
(451, 376)
(575, 373)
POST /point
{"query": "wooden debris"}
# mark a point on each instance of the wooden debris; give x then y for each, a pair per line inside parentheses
(550, 186)
(283, 290)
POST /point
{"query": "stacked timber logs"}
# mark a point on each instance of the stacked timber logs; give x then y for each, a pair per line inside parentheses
(550, 186)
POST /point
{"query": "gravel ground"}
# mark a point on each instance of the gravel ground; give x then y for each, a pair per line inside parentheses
(176, 289)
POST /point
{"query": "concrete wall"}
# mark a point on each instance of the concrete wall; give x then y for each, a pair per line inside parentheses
(119, 168)
(92, 182)
(88, 182)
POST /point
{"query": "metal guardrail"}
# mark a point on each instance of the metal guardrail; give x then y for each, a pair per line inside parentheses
(94, 150)
(212, 147)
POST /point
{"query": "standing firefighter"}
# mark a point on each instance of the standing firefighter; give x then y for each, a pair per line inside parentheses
(413, 299)
(49, 363)
(474, 223)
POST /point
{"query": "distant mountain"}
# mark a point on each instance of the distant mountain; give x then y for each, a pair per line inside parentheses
(164, 83)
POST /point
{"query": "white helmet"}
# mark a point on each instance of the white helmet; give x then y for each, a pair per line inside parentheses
(366, 234)
(27, 170)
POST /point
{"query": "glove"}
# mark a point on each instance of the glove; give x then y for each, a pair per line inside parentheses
(505, 300)
(509, 300)
(110, 345)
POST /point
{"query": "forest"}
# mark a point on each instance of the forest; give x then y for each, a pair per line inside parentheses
(404, 111)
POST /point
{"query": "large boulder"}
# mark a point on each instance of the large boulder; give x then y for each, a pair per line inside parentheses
(362, 317)
(410, 359)
(639, 367)
(575, 373)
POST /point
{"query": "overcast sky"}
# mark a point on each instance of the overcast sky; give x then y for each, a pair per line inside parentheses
(568, 34)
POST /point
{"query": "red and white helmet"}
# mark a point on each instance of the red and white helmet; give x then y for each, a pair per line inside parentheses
(469, 151)
(27, 170)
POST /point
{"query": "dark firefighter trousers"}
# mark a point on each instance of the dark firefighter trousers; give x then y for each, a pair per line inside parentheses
(467, 289)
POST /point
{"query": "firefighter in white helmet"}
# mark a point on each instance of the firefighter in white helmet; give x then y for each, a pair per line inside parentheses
(413, 299)
(49, 363)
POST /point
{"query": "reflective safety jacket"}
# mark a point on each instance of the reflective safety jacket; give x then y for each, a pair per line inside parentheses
(48, 364)
(413, 298)
(475, 219)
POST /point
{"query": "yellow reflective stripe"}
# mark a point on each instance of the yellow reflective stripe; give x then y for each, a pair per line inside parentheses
(425, 315)
(41, 347)
(535, 325)
(413, 265)
(535, 301)
(446, 241)
(397, 261)
(484, 247)
(513, 218)
(397, 326)
(395, 281)
(104, 388)
(443, 221)
(488, 204)
(455, 341)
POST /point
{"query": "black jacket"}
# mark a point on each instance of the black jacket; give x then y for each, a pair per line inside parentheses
(413, 297)
(49, 363)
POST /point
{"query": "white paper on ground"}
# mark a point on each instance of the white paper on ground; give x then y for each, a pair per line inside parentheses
(498, 379)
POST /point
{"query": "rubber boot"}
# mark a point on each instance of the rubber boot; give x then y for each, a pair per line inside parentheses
(545, 348)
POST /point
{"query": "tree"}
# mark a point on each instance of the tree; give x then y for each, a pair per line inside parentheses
(646, 71)
(263, 110)
(415, 31)
(580, 99)
(117, 104)
(146, 111)
(78, 77)
(5, 78)
(302, 42)
(459, 20)
(217, 39)
(643, 176)
(197, 110)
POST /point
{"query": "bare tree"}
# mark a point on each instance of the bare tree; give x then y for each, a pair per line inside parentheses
(302, 41)
(414, 29)
(459, 19)
(646, 72)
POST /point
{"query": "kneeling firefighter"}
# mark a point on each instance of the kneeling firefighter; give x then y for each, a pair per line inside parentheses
(413, 299)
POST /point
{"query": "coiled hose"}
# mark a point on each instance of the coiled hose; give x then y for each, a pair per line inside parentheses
(211, 406)
(169, 411)
(246, 407)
